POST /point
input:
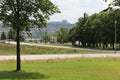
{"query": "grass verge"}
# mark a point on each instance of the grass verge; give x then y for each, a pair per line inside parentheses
(8, 49)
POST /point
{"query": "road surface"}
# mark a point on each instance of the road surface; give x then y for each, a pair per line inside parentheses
(58, 56)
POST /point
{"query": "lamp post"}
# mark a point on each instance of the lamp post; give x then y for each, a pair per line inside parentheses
(115, 46)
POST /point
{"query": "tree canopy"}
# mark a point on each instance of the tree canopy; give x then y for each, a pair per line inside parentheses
(97, 30)
(32, 13)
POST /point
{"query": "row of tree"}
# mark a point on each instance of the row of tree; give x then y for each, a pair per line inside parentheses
(97, 30)
(61, 36)
(10, 36)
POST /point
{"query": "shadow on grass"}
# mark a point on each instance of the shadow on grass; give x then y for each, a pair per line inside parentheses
(13, 75)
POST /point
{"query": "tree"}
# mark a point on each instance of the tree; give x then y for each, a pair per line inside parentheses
(62, 35)
(3, 36)
(21, 15)
(72, 35)
(11, 35)
(114, 13)
(97, 29)
(92, 25)
(80, 32)
(114, 2)
(46, 37)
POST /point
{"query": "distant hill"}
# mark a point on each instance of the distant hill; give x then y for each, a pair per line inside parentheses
(55, 26)
(52, 25)
(51, 28)
(63, 23)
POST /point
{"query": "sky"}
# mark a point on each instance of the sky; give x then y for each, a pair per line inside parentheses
(71, 10)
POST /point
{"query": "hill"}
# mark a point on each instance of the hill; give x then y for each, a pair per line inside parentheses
(56, 25)
(51, 28)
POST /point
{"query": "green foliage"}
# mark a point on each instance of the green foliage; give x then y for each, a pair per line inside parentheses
(11, 35)
(62, 35)
(3, 36)
(31, 13)
(47, 37)
(78, 33)
(72, 35)
(97, 30)
(113, 3)
(105, 0)
(22, 39)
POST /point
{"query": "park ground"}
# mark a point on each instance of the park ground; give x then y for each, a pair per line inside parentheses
(63, 69)
(59, 69)
(35, 49)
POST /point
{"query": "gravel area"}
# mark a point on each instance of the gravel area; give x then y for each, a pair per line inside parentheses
(57, 56)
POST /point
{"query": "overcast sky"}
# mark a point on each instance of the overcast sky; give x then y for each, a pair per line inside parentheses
(71, 10)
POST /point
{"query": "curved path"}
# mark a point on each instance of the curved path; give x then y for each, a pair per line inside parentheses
(65, 47)
(57, 56)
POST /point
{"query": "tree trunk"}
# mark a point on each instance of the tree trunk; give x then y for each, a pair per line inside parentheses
(18, 38)
(103, 46)
(113, 46)
(18, 50)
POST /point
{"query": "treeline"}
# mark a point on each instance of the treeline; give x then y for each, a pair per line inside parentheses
(97, 30)
(10, 35)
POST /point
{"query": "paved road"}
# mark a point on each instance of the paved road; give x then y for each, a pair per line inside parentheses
(57, 56)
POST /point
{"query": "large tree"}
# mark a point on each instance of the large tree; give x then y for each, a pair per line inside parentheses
(79, 33)
(21, 15)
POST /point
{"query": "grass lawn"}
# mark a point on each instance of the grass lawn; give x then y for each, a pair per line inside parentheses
(8, 49)
(67, 69)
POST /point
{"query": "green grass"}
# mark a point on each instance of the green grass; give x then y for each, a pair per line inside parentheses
(68, 69)
(8, 49)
